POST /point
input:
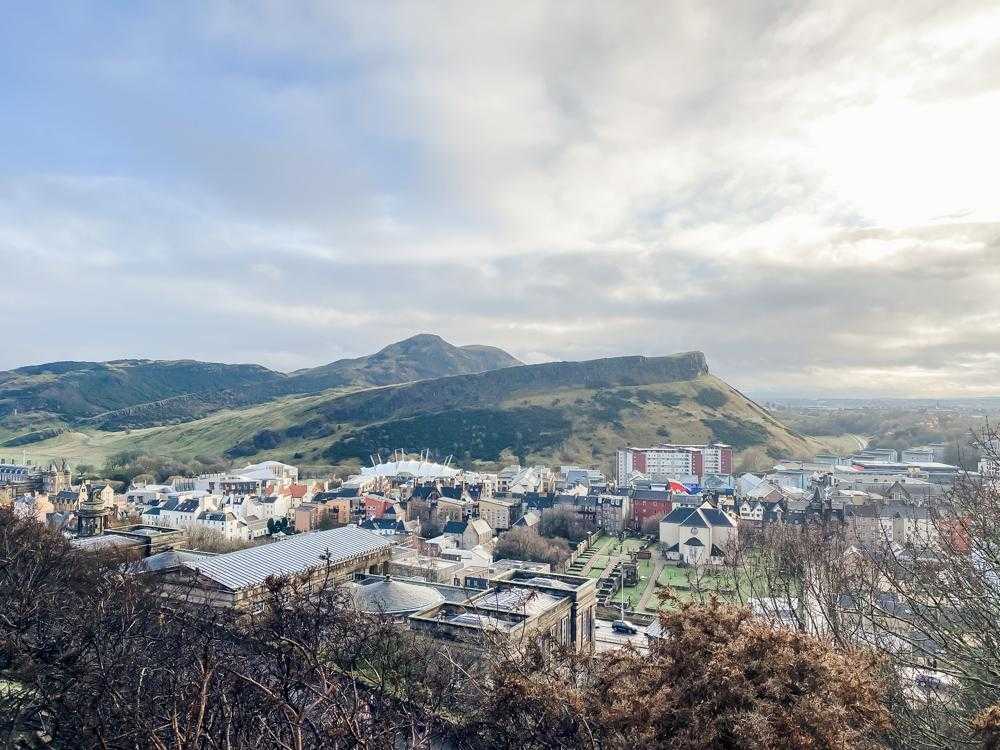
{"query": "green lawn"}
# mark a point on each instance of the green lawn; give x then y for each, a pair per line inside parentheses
(682, 580)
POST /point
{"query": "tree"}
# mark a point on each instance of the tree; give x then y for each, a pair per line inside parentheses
(327, 521)
(712, 398)
(431, 528)
(719, 677)
(525, 544)
(94, 653)
(927, 603)
(209, 540)
(562, 522)
(651, 526)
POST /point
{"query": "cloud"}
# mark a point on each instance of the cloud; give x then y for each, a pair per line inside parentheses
(804, 193)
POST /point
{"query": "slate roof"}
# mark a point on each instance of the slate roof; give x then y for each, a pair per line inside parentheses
(208, 515)
(716, 517)
(678, 515)
(659, 495)
(384, 523)
(455, 527)
(188, 506)
(694, 542)
(700, 518)
(295, 554)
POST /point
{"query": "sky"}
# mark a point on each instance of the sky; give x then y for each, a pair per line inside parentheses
(805, 191)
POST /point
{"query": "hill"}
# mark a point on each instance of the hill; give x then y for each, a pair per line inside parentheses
(559, 412)
(420, 357)
(78, 390)
(38, 401)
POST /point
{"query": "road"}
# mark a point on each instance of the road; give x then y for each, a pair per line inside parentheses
(606, 639)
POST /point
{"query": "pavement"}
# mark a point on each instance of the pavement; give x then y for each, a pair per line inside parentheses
(649, 595)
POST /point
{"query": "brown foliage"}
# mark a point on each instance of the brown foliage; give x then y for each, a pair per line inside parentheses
(526, 544)
(105, 661)
(720, 678)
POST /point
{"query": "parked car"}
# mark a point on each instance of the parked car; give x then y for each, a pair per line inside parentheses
(626, 628)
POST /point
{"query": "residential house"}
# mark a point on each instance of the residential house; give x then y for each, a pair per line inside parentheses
(469, 534)
(500, 513)
(67, 501)
(389, 526)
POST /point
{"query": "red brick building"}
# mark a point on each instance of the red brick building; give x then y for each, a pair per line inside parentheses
(649, 504)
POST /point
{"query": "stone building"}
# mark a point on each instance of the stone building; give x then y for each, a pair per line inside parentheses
(237, 579)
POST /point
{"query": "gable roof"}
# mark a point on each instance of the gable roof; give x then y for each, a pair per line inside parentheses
(480, 526)
(678, 515)
(299, 553)
(716, 517)
(383, 524)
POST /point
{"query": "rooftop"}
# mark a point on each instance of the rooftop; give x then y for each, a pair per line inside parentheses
(295, 554)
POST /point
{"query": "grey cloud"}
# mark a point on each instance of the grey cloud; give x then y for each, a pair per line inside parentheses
(298, 183)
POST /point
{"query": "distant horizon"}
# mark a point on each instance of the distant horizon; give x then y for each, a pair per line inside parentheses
(816, 395)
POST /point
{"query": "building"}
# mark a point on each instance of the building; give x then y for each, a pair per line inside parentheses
(885, 455)
(68, 500)
(92, 515)
(698, 536)
(873, 524)
(925, 454)
(407, 562)
(469, 534)
(237, 579)
(271, 472)
(375, 506)
(989, 462)
(389, 526)
(650, 504)
(668, 461)
(500, 513)
(137, 542)
(515, 606)
(612, 513)
(401, 597)
(592, 479)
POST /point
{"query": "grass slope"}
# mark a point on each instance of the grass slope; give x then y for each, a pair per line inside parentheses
(554, 413)
(133, 394)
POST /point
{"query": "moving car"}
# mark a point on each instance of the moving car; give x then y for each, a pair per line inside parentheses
(626, 628)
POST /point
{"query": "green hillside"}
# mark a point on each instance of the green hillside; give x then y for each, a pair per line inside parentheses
(38, 401)
(564, 412)
(80, 390)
